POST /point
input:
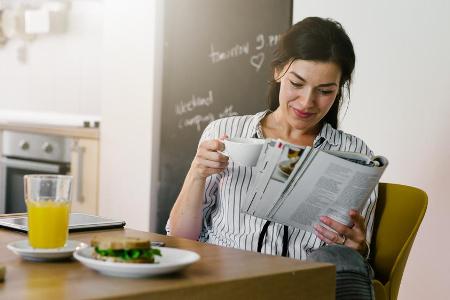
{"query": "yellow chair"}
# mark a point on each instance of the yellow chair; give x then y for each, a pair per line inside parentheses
(399, 212)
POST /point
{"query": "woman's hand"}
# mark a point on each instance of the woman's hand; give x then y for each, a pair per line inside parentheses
(353, 237)
(208, 160)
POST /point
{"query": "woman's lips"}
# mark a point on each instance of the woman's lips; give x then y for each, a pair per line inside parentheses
(301, 113)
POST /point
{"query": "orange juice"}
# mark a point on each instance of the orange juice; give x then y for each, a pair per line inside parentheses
(48, 223)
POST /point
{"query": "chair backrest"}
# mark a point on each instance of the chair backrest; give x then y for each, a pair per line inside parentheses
(399, 212)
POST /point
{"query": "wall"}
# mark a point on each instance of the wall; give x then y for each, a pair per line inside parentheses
(62, 73)
(103, 66)
(400, 106)
(128, 110)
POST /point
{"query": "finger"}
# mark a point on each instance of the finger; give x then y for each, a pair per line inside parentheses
(323, 238)
(353, 234)
(205, 172)
(212, 156)
(223, 137)
(328, 234)
(206, 167)
(359, 228)
(212, 145)
(208, 150)
(335, 225)
(206, 163)
(358, 219)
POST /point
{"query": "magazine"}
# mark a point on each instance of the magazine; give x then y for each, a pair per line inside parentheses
(295, 185)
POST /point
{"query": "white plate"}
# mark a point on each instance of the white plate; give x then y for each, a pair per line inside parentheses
(172, 260)
(24, 249)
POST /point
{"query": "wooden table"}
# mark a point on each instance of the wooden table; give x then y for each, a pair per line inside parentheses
(221, 273)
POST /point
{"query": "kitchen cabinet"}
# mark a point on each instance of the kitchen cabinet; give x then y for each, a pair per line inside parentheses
(84, 168)
(82, 161)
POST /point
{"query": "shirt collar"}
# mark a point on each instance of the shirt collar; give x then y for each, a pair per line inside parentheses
(256, 124)
(327, 133)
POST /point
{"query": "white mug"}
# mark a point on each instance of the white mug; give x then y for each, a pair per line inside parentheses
(243, 151)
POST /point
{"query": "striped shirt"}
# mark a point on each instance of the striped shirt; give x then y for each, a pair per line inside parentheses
(224, 224)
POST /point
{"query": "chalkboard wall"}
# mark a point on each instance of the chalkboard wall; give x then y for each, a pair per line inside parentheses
(217, 56)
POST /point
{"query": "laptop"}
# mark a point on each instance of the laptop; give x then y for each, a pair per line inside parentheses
(77, 222)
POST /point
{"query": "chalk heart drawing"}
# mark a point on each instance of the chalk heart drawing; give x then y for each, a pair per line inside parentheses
(257, 60)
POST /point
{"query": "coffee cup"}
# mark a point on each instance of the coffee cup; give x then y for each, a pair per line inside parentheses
(243, 151)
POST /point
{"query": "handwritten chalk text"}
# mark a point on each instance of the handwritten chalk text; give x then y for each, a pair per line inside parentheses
(196, 101)
(228, 112)
(196, 121)
(199, 122)
(235, 51)
(273, 39)
(256, 60)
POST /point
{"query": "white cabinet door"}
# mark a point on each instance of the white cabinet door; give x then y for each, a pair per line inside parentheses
(84, 169)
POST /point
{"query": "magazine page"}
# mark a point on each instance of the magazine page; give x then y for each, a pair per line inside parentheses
(329, 186)
(376, 161)
(264, 162)
(271, 185)
(351, 156)
(264, 168)
(291, 168)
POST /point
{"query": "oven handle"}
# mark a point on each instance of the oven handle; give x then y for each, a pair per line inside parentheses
(77, 171)
(31, 165)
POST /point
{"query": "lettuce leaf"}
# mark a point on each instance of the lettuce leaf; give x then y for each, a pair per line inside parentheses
(129, 254)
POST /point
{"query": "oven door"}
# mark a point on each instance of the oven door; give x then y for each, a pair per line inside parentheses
(12, 172)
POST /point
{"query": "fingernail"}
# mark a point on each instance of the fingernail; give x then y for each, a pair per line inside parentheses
(323, 219)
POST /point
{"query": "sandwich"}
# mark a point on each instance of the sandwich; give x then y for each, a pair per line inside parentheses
(124, 249)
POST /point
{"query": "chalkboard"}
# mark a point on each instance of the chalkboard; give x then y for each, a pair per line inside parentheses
(217, 56)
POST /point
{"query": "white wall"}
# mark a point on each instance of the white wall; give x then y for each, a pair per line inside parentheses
(400, 106)
(128, 109)
(103, 66)
(62, 73)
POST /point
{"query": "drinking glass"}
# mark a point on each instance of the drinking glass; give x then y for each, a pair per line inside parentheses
(48, 199)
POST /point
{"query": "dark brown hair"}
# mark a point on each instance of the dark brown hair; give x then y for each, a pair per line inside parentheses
(316, 39)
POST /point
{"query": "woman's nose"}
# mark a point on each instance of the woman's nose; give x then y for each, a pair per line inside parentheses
(307, 98)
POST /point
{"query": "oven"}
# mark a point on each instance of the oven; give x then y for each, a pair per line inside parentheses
(29, 153)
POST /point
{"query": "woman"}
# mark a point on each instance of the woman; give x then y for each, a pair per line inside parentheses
(312, 68)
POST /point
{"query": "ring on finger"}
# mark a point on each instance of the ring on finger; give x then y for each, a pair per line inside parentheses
(343, 239)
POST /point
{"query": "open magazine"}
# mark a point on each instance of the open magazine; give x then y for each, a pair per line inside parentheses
(295, 185)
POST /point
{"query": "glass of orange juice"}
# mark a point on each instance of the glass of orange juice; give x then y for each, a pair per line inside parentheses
(48, 205)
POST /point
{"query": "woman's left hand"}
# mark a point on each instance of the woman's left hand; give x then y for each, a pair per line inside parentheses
(353, 237)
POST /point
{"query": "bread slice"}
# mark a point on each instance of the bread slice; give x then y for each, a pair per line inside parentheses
(120, 243)
(124, 250)
(121, 260)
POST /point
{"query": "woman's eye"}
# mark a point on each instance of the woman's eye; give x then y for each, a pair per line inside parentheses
(296, 84)
(325, 92)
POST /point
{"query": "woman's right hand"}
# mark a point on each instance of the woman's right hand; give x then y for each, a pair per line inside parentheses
(208, 160)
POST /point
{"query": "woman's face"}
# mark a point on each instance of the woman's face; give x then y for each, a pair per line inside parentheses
(307, 92)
